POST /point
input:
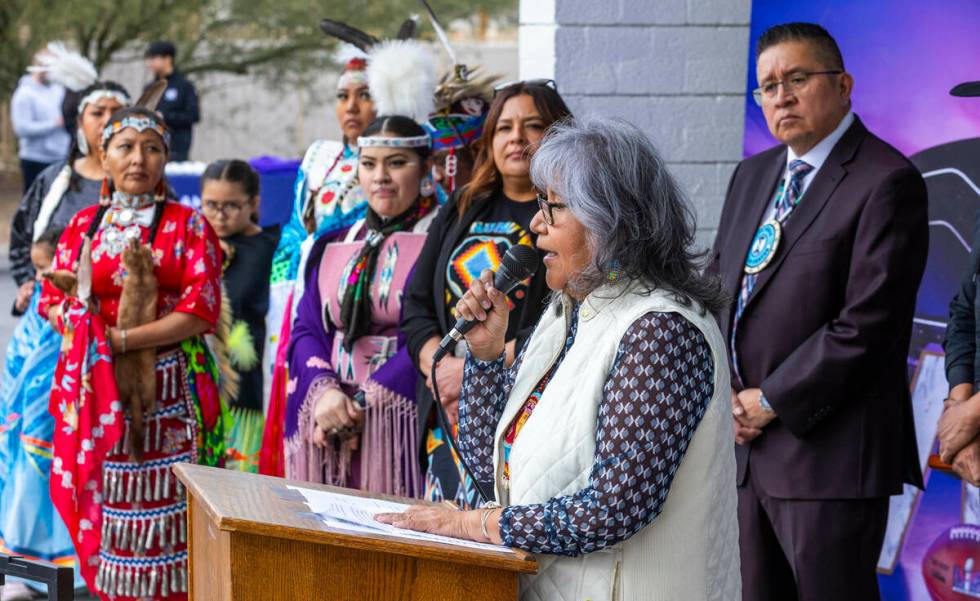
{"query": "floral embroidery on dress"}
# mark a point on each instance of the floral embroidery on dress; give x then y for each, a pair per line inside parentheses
(207, 293)
(317, 363)
(211, 254)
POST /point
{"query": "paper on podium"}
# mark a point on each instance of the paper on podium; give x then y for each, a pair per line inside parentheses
(357, 514)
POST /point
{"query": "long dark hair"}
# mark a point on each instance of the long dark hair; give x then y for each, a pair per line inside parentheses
(235, 171)
(486, 178)
(72, 119)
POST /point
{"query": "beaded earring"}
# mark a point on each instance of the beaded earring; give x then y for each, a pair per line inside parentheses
(427, 187)
(614, 271)
(105, 194)
(81, 142)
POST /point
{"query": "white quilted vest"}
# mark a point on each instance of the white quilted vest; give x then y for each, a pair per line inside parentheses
(690, 551)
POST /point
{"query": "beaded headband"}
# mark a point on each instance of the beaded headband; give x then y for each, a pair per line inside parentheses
(139, 124)
(389, 142)
(97, 95)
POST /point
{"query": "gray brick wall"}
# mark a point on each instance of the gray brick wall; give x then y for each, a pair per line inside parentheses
(675, 68)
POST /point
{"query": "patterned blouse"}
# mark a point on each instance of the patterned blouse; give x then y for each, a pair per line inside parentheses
(635, 459)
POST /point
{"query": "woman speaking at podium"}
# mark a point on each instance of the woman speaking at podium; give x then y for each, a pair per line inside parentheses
(609, 441)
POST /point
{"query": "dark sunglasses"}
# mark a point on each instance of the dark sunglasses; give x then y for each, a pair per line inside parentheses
(545, 83)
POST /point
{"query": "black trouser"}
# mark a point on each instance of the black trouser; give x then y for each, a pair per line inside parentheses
(809, 549)
(29, 170)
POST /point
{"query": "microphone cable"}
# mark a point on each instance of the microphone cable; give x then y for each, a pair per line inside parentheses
(443, 421)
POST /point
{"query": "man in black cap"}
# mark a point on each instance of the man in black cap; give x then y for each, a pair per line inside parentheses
(959, 427)
(179, 103)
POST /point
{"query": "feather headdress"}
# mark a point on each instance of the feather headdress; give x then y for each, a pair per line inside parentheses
(66, 67)
(460, 83)
(401, 76)
(347, 52)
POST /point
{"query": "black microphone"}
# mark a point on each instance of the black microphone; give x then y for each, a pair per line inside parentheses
(520, 263)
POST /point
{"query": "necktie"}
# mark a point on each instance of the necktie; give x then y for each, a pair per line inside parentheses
(787, 197)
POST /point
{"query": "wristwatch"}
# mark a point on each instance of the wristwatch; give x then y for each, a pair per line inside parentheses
(764, 402)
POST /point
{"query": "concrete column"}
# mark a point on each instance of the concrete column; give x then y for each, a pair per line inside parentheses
(675, 68)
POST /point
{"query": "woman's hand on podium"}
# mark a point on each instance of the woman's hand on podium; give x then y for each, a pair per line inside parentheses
(439, 519)
(485, 304)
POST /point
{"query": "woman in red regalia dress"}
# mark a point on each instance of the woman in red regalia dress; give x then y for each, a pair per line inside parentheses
(111, 478)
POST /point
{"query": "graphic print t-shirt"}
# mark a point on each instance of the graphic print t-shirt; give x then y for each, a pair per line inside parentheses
(483, 247)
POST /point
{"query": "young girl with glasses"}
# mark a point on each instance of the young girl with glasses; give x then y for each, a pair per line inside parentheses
(230, 203)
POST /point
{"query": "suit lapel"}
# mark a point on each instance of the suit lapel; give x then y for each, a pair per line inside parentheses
(814, 199)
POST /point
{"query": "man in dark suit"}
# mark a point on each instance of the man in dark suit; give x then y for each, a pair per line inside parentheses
(822, 243)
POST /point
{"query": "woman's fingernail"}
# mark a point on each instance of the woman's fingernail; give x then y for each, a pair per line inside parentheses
(487, 305)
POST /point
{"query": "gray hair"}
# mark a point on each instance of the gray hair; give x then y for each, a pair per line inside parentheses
(639, 222)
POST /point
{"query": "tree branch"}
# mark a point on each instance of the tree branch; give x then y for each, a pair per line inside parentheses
(242, 65)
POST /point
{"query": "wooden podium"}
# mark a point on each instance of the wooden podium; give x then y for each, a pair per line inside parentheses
(252, 538)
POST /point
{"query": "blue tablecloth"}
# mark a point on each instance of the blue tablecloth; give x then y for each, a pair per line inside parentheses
(276, 176)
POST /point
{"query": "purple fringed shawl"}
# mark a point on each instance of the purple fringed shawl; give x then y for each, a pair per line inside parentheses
(382, 459)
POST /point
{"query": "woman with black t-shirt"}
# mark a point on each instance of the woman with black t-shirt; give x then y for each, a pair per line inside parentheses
(472, 233)
(230, 202)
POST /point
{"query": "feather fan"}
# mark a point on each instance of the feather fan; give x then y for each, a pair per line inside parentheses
(66, 67)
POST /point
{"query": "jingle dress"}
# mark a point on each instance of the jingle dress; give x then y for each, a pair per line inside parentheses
(128, 516)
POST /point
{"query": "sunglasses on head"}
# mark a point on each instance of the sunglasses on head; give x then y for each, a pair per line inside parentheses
(547, 83)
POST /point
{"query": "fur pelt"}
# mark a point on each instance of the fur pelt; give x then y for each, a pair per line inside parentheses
(136, 376)
(67, 282)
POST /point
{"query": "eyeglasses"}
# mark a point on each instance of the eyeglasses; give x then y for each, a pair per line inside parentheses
(791, 85)
(547, 208)
(547, 83)
(228, 209)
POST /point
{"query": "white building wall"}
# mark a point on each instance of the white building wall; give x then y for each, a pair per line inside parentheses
(675, 68)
